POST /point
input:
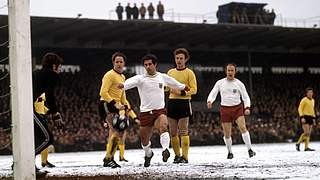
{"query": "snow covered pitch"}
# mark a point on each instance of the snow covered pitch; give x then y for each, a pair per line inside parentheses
(273, 161)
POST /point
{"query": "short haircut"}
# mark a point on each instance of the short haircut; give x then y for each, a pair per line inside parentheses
(230, 64)
(114, 55)
(182, 51)
(309, 89)
(50, 59)
(150, 57)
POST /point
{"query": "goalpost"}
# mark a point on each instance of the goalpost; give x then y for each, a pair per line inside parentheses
(21, 89)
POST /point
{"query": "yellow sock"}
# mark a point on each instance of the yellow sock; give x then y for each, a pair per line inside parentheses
(44, 156)
(175, 142)
(111, 146)
(306, 142)
(301, 138)
(185, 144)
(121, 149)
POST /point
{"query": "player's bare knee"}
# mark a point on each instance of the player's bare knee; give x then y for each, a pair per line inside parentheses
(243, 129)
(163, 129)
(144, 141)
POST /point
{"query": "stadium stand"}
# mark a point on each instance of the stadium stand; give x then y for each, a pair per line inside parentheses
(274, 96)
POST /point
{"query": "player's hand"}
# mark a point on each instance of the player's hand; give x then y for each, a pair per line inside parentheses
(247, 112)
(303, 120)
(137, 121)
(209, 105)
(186, 88)
(120, 86)
(120, 106)
(105, 125)
(175, 91)
(56, 117)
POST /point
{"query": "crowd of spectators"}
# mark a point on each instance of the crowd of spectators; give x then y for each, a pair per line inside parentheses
(134, 12)
(274, 111)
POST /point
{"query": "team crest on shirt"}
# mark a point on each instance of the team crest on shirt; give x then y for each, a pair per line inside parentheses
(234, 90)
(160, 85)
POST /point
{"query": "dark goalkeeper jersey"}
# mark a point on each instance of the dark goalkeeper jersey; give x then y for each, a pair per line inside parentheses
(45, 81)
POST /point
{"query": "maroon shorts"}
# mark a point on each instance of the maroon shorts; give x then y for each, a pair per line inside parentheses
(148, 118)
(231, 113)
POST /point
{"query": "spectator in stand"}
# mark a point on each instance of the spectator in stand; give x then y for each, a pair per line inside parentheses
(129, 11)
(160, 10)
(272, 17)
(135, 11)
(119, 11)
(150, 11)
(142, 11)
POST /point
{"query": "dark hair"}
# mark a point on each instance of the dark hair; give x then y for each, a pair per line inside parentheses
(230, 64)
(182, 51)
(50, 59)
(150, 57)
(309, 89)
(114, 55)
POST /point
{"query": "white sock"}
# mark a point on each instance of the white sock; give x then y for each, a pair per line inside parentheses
(147, 149)
(165, 140)
(246, 139)
(228, 143)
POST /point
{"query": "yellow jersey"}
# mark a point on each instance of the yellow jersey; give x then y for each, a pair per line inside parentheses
(185, 76)
(306, 107)
(39, 105)
(109, 90)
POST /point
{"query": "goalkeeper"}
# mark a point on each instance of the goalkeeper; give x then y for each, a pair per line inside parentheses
(45, 81)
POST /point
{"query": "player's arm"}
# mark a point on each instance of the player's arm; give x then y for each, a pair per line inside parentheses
(316, 113)
(172, 83)
(52, 80)
(245, 98)
(123, 100)
(167, 88)
(104, 90)
(51, 100)
(213, 94)
(192, 84)
(130, 83)
(301, 107)
(107, 82)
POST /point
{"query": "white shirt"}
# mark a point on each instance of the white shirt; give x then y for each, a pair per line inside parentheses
(151, 89)
(230, 91)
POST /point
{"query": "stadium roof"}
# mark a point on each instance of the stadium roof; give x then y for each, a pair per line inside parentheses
(49, 32)
(239, 4)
